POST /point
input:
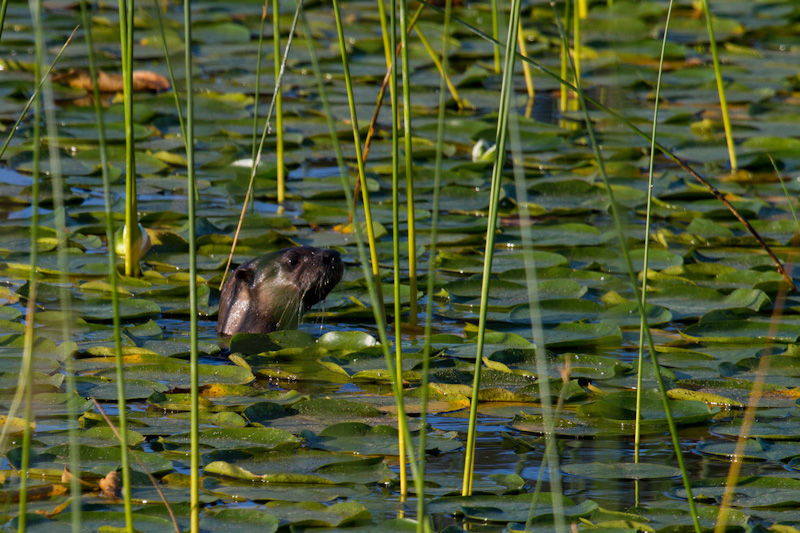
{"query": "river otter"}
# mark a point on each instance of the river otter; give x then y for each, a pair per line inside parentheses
(272, 291)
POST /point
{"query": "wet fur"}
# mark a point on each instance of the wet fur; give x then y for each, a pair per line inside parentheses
(271, 292)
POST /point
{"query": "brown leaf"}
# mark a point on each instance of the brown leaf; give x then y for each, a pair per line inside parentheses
(57, 510)
(111, 485)
(67, 476)
(143, 80)
(42, 492)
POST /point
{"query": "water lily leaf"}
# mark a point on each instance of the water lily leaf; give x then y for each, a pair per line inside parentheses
(563, 426)
(53, 404)
(741, 331)
(77, 264)
(262, 412)
(691, 301)
(361, 366)
(768, 492)
(301, 467)
(355, 437)
(558, 311)
(572, 234)
(346, 340)
(242, 520)
(672, 518)
(177, 375)
(575, 365)
(41, 382)
(252, 343)
(312, 514)
(775, 430)
(67, 165)
(621, 470)
(741, 389)
(619, 408)
(13, 363)
(502, 513)
(234, 438)
(754, 450)
(512, 503)
(707, 397)
(627, 315)
(465, 264)
(100, 460)
(178, 347)
(330, 408)
(96, 436)
(293, 492)
(97, 521)
(100, 309)
(656, 260)
(566, 335)
(224, 32)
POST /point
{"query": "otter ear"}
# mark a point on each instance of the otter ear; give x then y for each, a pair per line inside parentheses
(244, 273)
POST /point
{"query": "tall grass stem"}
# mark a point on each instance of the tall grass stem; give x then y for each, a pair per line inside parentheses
(112, 269)
(409, 166)
(191, 185)
(28, 353)
(426, 352)
(723, 101)
(278, 99)
(648, 218)
(373, 246)
(506, 93)
(398, 340)
(132, 233)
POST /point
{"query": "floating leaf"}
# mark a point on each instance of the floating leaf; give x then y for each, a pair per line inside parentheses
(621, 470)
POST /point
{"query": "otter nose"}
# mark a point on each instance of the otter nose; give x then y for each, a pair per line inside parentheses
(331, 257)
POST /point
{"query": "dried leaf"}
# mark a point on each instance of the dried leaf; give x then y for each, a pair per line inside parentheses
(143, 80)
(111, 485)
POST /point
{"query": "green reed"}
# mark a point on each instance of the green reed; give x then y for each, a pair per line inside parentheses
(191, 185)
(506, 92)
(398, 341)
(112, 268)
(723, 101)
(28, 355)
(437, 180)
(278, 100)
(409, 166)
(648, 219)
(257, 96)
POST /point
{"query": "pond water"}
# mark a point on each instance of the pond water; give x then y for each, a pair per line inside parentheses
(300, 426)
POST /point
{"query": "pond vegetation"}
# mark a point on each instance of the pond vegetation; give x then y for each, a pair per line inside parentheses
(517, 361)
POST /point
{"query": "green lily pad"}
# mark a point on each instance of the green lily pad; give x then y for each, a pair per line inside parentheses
(621, 470)
(235, 438)
(363, 439)
(300, 467)
(619, 408)
(177, 375)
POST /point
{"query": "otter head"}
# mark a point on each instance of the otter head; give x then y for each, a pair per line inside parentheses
(272, 291)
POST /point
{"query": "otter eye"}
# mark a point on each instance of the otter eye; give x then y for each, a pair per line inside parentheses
(294, 261)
